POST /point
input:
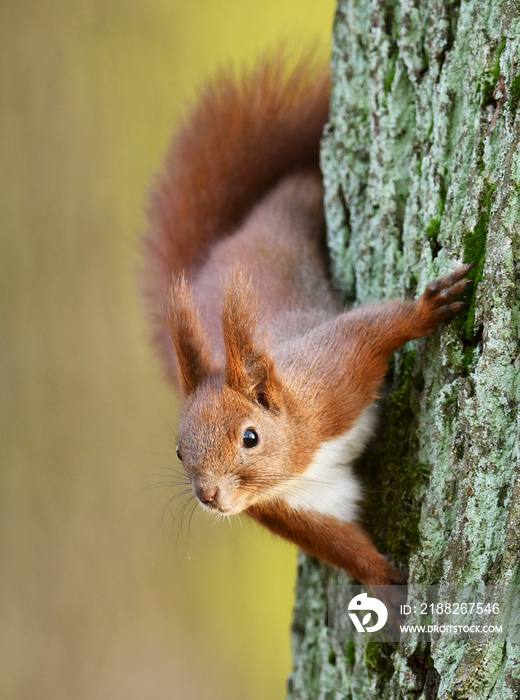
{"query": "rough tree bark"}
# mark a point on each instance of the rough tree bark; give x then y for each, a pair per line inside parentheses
(421, 161)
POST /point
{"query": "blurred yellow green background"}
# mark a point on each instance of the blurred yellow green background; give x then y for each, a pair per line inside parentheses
(100, 596)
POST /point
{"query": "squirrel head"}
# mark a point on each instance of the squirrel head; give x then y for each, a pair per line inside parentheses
(235, 434)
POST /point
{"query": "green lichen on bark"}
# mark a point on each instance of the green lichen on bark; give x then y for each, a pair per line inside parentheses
(393, 478)
(514, 94)
(421, 161)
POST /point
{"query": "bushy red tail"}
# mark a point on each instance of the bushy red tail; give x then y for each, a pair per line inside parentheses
(242, 137)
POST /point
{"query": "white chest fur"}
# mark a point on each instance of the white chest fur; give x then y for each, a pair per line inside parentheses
(329, 485)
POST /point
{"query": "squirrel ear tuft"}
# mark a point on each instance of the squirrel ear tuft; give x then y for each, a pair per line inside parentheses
(249, 369)
(189, 340)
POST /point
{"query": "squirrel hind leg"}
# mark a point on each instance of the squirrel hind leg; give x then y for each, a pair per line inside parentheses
(439, 301)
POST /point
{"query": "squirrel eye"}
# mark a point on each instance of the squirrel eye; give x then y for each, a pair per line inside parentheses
(250, 438)
(178, 453)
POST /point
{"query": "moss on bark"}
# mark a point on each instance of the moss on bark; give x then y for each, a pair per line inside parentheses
(421, 160)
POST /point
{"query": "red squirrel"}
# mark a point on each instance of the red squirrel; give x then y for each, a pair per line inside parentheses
(279, 380)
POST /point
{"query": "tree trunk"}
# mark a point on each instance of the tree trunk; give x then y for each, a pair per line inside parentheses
(421, 160)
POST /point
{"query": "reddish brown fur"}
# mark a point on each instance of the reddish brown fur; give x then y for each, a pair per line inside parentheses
(261, 340)
(345, 545)
(189, 341)
(239, 140)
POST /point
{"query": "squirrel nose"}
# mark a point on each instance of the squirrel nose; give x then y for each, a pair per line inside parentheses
(207, 494)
